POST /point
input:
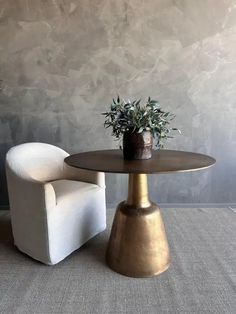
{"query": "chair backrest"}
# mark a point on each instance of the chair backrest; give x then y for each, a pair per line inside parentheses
(36, 161)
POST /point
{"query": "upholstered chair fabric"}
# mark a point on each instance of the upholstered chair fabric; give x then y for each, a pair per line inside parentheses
(54, 208)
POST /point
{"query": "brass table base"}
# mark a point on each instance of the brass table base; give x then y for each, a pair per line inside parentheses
(138, 246)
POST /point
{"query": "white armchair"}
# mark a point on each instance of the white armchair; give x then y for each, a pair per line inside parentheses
(54, 208)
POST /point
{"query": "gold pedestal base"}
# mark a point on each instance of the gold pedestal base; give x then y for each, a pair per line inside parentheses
(138, 246)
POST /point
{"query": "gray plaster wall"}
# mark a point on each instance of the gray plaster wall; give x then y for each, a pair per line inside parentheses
(62, 61)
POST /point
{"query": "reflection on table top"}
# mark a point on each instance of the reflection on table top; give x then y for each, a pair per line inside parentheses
(162, 161)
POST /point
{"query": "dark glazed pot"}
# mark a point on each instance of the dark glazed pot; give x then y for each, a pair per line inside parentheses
(137, 145)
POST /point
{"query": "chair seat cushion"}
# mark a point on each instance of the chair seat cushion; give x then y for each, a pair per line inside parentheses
(68, 191)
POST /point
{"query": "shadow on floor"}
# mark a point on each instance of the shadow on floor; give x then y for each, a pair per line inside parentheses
(94, 249)
(6, 236)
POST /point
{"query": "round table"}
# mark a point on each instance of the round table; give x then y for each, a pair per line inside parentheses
(138, 246)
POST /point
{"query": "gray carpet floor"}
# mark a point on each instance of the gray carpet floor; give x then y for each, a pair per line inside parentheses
(201, 279)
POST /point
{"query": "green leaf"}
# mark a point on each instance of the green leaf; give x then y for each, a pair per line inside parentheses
(131, 115)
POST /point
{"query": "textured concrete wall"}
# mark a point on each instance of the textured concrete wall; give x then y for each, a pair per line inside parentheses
(61, 62)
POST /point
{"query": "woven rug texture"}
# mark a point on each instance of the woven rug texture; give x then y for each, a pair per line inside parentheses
(201, 278)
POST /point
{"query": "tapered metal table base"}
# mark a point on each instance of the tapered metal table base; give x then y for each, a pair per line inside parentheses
(138, 246)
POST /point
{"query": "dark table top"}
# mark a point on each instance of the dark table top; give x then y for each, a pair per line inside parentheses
(162, 161)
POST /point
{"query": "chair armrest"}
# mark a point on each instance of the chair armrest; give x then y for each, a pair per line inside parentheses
(29, 195)
(50, 196)
(94, 177)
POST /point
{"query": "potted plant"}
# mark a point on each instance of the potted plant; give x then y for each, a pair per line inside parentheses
(140, 126)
